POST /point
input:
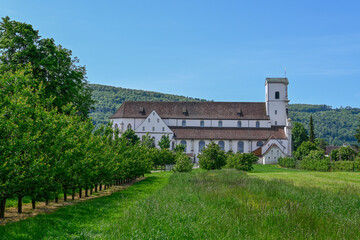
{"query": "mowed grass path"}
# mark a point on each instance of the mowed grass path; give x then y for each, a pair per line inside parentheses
(267, 203)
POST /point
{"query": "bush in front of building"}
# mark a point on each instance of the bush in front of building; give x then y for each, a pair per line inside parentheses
(287, 162)
(342, 166)
(241, 161)
(212, 157)
(304, 149)
(357, 164)
(315, 161)
(183, 163)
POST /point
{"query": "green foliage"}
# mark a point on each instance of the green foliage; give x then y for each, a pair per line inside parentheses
(315, 161)
(311, 131)
(241, 161)
(321, 143)
(287, 162)
(334, 154)
(336, 126)
(164, 142)
(342, 166)
(183, 163)
(130, 136)
(357, 134)
(51, 65)
(299, 135)
(147, 141)
(346, 153)
(357, 164)
(212, 157)
(167, 156)
(179, 148)
(304, 149)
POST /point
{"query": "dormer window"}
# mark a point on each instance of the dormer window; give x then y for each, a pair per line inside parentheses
(220, 124)
(277, 95)
(183, 123)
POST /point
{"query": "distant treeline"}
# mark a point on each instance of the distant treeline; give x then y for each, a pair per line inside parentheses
(336, 126)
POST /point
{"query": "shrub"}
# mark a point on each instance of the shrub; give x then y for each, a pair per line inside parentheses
(346, 153)
(357, 164)
(241, 161)
(315, 161)
(183, 163)
(342, 166)
(212, 157)
(287, 162)
(304, 150)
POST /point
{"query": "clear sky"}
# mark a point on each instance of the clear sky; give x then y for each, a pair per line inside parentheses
(218, 50)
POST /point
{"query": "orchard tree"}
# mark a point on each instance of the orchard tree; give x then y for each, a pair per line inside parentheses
(131, 137)
(212, 157)
(164, 142)
(147, 141)
(305, 149)
(52, 65)
(299, 135)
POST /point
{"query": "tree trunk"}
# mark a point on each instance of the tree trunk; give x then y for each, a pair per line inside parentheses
(100, 187)
(91, 191)
(73, 194)
(56, 199)
(19, 204)
(33, 203)
(86, 192)
(95, 187)
(2, 207)
(46, 201)
(105, 187)
(65, 195)
(80, 191)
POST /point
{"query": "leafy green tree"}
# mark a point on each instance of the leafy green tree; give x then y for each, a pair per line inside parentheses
(164, 142)
(180, 148)
(131, 137)
(312, 133)
(147, 141)
(51, 65)
(321, 143)
(299, 135)
(183, 163)
(346, 153)
(334, 154)
(304, 150)
(241, 161)
(212, 157)
(357, 135)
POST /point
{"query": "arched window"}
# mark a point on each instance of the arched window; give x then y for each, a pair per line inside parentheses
(220, 124)
(183, 142)
(257, 124)
(240, 147)
(259, 144)
(202, 123)
(183, 123)
(116, 126)
(201, 145)
(222, 145)
(277, 95)
(129, 126)
(239, 124)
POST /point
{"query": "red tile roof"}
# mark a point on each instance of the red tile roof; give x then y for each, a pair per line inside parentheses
(229, 133)
(194, 110)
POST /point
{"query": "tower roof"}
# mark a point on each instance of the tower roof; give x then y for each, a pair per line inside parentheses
(277, 80)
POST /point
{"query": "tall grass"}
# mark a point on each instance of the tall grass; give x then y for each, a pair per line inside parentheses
(221, 204)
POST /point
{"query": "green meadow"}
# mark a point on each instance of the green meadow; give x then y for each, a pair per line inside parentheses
(267, 203)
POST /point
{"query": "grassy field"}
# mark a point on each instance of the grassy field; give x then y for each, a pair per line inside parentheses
(267, 203)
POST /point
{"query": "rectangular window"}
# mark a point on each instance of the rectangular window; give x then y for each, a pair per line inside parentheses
(143, 128)
(153, 128)
(148, 119)
(163, 129)
(275, 112)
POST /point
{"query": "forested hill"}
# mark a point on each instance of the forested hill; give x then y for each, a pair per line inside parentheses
(336, 126)
(110, 98)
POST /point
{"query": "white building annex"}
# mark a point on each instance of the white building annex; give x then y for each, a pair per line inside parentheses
(259, 127)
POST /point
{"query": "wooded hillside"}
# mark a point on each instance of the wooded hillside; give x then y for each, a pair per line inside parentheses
(336, 126)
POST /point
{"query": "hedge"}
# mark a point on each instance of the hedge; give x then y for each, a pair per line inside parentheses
(342, 166)
(287, 162)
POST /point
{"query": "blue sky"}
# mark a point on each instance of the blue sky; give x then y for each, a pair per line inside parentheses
(217, 50)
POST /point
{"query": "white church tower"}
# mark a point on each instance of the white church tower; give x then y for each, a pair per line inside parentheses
(276, 95)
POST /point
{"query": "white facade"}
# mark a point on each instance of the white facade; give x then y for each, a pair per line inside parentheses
(236, 129)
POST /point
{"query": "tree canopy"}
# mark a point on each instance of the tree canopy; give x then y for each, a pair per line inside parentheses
(49, 64)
